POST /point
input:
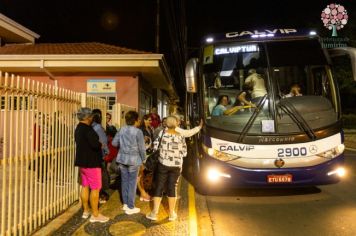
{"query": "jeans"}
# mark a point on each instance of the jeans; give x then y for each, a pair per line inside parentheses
(129, 184)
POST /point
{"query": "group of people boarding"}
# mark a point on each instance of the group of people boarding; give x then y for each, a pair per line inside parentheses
(135, 142)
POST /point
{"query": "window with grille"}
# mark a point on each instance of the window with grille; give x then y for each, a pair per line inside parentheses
(110, 101)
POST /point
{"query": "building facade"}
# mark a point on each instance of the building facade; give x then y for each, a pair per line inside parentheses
(120, 75)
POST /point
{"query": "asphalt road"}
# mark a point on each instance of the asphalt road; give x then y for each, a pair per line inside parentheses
(321, 210)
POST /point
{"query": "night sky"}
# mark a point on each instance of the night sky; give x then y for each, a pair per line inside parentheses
(123, 23)
(131, 23)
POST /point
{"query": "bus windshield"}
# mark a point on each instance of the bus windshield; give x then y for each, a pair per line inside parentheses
(271, 87)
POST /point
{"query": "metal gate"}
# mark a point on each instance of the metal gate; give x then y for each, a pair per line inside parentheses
(38, 179)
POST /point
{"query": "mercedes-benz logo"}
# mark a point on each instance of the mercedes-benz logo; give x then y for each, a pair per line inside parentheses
(313, 149)
(279, 163)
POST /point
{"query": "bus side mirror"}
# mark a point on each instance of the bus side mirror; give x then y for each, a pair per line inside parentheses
(348, 51)
(191, 75)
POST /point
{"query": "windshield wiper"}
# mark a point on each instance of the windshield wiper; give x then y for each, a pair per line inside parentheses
(252, 118)
(297, 118)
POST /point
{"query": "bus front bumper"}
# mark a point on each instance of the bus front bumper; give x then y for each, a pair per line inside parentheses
(220, 174)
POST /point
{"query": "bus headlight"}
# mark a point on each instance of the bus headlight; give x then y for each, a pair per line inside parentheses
(222, 156)
(340, 148)
(211, 151)
(334, 152)
(214, 175)
(340, 171)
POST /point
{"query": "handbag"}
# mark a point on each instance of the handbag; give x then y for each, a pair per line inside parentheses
(152, 160)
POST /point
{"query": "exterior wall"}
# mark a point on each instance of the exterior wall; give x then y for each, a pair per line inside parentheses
(127, 87)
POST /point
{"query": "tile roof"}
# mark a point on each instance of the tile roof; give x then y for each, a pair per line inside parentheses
(65, 48)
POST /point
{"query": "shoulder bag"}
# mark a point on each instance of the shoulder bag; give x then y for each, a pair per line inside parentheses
(152, 160)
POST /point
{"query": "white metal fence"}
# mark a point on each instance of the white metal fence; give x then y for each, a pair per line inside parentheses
(37, 149)
(118, 114)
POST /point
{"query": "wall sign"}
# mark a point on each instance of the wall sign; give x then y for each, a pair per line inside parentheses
(101, 86)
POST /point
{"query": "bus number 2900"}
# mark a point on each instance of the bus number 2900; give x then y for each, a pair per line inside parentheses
(289, 152)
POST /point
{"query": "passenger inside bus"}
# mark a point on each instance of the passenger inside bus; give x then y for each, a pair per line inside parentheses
(257, 83)
(243, 98)
(221, 107)
(295, 91)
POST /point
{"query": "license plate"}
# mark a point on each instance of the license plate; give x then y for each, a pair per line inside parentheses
(279, 178)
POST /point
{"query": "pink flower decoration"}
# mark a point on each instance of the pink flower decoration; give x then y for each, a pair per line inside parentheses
(334, 15)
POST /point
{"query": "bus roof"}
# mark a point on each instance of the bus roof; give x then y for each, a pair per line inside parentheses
(261, 35)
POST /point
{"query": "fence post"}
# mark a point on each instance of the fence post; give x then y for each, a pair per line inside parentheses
(83, 99)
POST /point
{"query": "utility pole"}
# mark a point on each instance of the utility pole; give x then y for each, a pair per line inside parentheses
(157, 26)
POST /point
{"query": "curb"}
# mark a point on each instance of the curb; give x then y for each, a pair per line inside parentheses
(193, 223)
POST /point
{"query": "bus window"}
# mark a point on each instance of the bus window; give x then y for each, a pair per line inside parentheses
(233, 84)
(315, 102)
(322, 82)
(312, 81)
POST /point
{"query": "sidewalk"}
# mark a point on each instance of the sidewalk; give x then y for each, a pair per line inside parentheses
(71, 223)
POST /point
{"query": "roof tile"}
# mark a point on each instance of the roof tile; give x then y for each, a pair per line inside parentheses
(65, 48)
